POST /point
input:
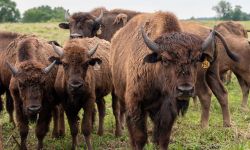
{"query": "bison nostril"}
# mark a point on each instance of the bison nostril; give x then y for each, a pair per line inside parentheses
(76, 85)
(185, 89)
(34, 108)
(76, 35)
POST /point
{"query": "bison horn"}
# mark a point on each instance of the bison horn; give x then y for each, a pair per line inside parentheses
(150, 44)
(231, 54)
(67, 15)
(48, 69)
(92, 51)
(248, 30)
(57, 49)
(208, 40)
(98, 19)
(12, 68)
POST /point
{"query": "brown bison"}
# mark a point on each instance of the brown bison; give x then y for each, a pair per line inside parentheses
(80, 82)
(210, 79)
(5, 39)
(155, 77)
(85, 24)
(31, 85)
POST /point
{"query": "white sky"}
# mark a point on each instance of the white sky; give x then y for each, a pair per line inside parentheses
(184, 9)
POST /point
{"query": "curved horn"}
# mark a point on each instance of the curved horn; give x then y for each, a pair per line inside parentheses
(248, 30)
(48, 69)
(67, 15)
(208, 41)
(57, 49)
(12, 68)
(92, 51)
(98, 19)
(150, 44)
(231, 54)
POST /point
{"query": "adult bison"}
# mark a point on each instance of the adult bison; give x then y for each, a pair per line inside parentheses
(5, 39)
(80, 82)
(32, 85)
(210, 81)
(155, 77)
(85, 24)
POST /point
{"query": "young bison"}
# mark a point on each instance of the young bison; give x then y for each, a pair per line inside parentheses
(32, 86)
(155, 77)
(80, 82)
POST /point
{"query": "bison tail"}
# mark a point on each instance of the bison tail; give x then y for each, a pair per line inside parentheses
(182, 106)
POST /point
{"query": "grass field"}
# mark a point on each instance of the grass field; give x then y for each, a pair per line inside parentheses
(186, 134)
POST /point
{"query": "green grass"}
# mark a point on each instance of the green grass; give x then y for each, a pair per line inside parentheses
(186, 134)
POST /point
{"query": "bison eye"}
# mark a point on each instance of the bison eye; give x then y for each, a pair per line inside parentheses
(166, 62)
(65, 65)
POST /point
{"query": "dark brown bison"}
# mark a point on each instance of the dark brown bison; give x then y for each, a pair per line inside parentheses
(85, 24)
(210, 81)
(5, 39)
(31, 85)
(155, 77)
(80, 82)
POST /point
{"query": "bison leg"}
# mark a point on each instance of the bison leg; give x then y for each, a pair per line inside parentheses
(116, 112)
(10, 107)
(122, 114)
(42, 126)
(87, 123)
(1, 103)
(73, 124)
(220, 93)
(245, 91)
(55, 114)
(136, 122)
(61, 121)
(101, 112)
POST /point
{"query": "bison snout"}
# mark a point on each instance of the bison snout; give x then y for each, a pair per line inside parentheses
(185, 90)
(34, 108)
(75, 35)
(75, 85)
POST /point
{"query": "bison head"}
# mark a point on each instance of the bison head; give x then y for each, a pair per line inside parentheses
(30, 78)
(75, 59)
(82, 24)
(180, 53)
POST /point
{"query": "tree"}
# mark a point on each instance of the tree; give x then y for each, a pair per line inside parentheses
(43, 14)
(8, 11)
(223, 10)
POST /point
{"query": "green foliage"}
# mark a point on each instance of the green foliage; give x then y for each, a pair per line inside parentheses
(8, 11)
(43, 14)
(225, 11)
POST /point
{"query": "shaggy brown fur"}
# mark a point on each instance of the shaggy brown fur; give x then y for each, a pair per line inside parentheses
(31, 86)
(76, 69)
(145, 85)
(209, 80)
(5, 39)
(84, 24)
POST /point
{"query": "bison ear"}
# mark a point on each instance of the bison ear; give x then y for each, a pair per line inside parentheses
(93, 61)
(152, 58)
(57, 59)
(64, 25)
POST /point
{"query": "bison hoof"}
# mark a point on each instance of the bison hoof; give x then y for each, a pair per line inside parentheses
(100, 132)
(118, 133)
(227, 125)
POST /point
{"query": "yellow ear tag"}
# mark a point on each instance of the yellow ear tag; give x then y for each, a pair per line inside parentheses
(205, 64)
(99, 31)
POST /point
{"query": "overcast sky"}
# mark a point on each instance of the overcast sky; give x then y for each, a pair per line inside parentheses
(184, 9)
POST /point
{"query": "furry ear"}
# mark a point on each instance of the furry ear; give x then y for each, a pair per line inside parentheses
(64, 25)
(93, 61)
(57, 59)
(152, 58)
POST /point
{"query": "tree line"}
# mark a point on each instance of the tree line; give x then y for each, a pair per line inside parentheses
(10, 13)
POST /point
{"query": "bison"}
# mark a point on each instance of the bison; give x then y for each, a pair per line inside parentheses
(210, 79)
(5, 39)
(31, 85)
(85, 24)
(155, 77)
(80, 83)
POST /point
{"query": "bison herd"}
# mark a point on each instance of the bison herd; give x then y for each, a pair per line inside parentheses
(151, 63)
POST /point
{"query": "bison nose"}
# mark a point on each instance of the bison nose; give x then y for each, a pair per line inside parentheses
(76, 85)
(75, 35)
(34, 108)
(186, 90)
